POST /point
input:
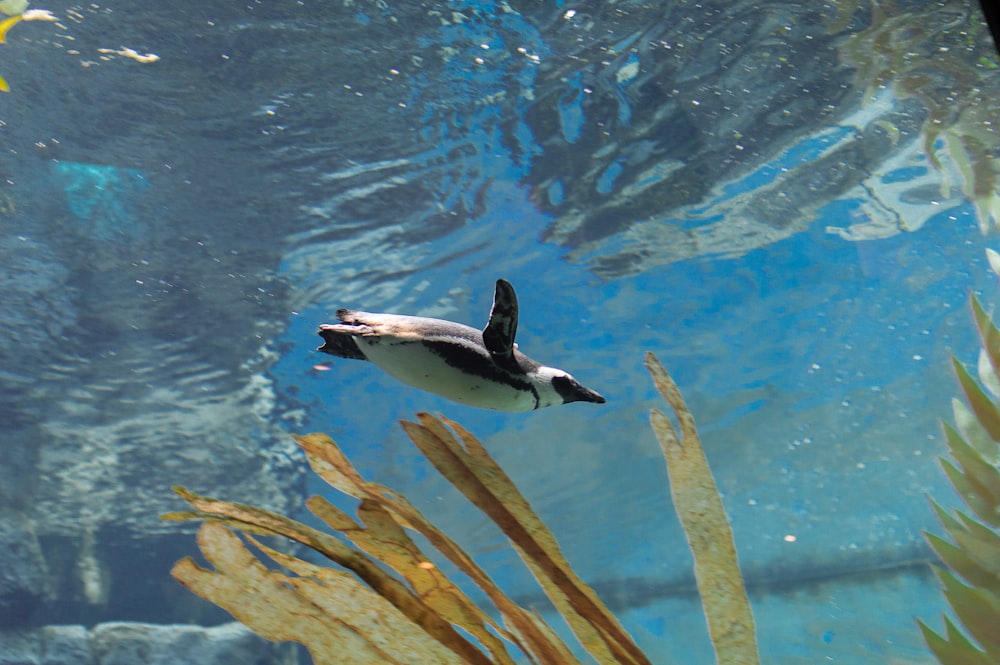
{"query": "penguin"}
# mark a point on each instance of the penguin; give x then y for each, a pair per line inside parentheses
(481, 369)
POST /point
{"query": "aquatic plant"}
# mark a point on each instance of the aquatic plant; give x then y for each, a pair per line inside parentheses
(974, 551)
(18, 11)
(944, 58)
(362, 613)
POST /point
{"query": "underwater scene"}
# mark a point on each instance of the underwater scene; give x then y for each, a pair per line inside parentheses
(514, 331)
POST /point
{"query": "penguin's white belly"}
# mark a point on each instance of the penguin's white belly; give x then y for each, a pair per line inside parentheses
(415, 364)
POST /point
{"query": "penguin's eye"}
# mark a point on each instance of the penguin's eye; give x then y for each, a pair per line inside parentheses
(564, 385)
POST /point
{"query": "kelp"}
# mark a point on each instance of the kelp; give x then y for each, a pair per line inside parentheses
(337, 617)
(18, 11)
(391, 604)
(944, 58)
(973, 554)
(699, 506)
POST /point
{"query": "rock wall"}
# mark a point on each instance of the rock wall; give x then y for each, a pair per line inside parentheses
(123, 643)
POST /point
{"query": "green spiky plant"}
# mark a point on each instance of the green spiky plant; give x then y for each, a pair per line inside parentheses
(973, 554)
(360, 612)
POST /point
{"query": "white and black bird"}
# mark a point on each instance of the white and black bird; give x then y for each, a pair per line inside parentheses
(482, 369)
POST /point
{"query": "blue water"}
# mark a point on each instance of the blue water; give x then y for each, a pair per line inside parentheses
(823, 366)
(649, 179)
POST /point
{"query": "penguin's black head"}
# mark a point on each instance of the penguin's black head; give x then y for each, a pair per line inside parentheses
(571, 391)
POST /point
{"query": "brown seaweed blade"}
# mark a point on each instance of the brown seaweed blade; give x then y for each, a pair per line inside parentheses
(535, 637)
(384, 539)
(337, 618)
(485, 484)
(426, 607)
(700, 509)
(261, 521)
(570, 591)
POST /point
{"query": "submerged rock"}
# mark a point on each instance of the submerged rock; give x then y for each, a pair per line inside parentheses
(23, 573)
(122, 375)
(125, 643)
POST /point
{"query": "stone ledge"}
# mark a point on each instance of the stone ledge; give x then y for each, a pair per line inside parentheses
(129, 643)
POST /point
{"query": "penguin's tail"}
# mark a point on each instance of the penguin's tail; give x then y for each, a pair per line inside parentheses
(338, 340)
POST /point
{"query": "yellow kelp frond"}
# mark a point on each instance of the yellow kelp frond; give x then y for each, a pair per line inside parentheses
(7, 24)
(17, 9)
(11, 7)
(431, 603)
(339, 619)
(531, 634)
(38, 15)
(384, 539)
(130, 53)
(392, 604)
(699, 507)
(222, 587)
(466, 464)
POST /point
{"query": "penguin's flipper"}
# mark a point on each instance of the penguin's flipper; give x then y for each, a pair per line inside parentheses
(498, 336)
(338, 340)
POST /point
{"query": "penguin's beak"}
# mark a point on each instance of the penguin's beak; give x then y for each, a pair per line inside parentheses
(571, 391)
(588, 395)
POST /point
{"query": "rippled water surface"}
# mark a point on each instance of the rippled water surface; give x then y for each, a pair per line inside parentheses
(788, 204)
